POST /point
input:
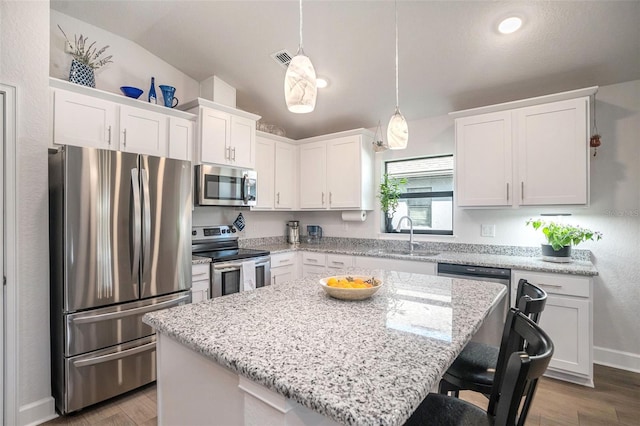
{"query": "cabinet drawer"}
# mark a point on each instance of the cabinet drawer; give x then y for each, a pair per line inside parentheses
(283, 259)
(570, 285)
(339, 261)
(200, 272)
(309, 258)
(200, 285)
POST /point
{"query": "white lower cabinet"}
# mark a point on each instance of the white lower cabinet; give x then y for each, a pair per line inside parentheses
(568, 320)
(283, 267)
(313, 263)
(200, 282)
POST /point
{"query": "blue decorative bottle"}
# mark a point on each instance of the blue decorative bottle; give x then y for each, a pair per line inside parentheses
(152, 92)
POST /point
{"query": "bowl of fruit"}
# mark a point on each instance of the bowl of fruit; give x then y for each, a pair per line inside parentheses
(350, 287)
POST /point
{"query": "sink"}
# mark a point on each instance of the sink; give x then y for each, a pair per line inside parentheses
(407, 252)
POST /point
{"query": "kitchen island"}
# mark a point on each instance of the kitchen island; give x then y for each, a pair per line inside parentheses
(290, 354)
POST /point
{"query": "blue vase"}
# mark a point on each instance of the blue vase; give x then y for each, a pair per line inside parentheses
(152, 92)
(81, 74)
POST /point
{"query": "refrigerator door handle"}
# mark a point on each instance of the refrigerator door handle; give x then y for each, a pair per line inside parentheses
(146, 210)
(114, 356)
(130, 312)
(135, 186)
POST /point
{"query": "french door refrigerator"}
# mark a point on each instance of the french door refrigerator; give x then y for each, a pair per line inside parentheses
(120, 246)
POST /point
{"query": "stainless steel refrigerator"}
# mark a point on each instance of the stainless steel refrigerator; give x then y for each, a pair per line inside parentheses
(120, 246)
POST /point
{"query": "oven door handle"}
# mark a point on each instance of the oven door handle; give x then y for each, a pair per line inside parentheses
(223, 267)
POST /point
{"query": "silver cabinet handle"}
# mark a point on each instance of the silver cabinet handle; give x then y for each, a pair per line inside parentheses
(330, 198)
(109, 136)
(522, 191)
(507, 192)
(118, 355)
(280, 262)
(311, 260)
(335, 262)
(278, 198)
(124, 139)
(274, 279)
(234, 153)
(227, 154)
(549, 285)
(323, 198)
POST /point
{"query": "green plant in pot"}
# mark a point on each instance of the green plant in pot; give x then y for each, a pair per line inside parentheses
(389, 194)
(560, 238)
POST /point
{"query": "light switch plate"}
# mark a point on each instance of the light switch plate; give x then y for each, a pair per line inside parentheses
(488, 230)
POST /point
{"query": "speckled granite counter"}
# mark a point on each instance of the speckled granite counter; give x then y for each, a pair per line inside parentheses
(463, 255)
(195, 260)
(366, 362)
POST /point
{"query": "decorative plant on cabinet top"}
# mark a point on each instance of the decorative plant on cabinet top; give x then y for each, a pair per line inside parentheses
(86, 59)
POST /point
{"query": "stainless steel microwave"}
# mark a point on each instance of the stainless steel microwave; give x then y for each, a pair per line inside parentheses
(225, 186)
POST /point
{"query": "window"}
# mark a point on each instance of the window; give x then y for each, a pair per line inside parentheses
(427, 197)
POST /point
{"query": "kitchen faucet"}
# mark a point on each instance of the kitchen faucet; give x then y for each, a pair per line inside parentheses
(410, 230)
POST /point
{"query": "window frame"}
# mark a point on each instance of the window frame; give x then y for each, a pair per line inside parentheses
(430, 195)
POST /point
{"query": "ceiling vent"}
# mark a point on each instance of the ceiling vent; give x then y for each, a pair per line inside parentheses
(282, 58)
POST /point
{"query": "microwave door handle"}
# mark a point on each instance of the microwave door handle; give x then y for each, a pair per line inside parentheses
(245, 188)
(135, 186)
(146, 209)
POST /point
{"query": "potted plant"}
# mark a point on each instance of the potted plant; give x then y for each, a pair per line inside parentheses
(560, 238)
(389, 194)
(86, 59)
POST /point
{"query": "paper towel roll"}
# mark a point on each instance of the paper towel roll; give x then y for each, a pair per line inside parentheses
(358, 216)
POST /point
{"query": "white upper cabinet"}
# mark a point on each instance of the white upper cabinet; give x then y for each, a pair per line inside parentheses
(337, 173)
(524, 153)
(83, 120)
(143, 132)
(313, 172)
(285, 175)
(553, 151)
(84, 116)
(483, 160)
(276, 164)
(226, 135)
(181, 138)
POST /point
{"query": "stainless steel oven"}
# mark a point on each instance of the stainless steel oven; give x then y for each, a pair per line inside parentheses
(230, 263)
(228, 276)
(225, 186)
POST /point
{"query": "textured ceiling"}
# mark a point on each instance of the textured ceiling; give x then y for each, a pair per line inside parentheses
(451, 55)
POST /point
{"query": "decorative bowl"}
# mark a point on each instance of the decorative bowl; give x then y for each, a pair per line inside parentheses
(132, 92)
(351, 293)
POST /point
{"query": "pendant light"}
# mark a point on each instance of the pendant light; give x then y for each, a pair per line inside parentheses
(300, 86)
(398, 131)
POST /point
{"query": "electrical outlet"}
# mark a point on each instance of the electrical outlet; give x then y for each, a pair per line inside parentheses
(488, 230)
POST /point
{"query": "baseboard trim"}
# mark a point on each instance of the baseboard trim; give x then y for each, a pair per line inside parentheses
(616, 359)
(37, 412)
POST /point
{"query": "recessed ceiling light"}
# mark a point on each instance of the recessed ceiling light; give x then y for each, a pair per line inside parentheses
(510, 25)
(322, 82)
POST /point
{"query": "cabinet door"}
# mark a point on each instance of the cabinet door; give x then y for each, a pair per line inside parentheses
(181, 138)
(313, 167)
(344, 173)
(143, 132)
(214, 138)
(243, 142)
(566, 320)
(553, 153)
(265, 153)
(285, 175)
(282, 274)
(81, 120)
(484, 160)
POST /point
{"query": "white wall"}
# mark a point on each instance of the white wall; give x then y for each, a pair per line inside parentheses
(132, 65)
(24, 38)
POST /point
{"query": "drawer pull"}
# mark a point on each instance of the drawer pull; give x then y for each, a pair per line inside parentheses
(311, 260)
(335, 262)
(550, 285)
(284, 261)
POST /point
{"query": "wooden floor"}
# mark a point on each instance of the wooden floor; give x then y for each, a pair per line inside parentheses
(614, 401)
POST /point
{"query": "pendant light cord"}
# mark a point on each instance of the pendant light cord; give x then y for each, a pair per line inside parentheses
(397, 97)
(300, 49)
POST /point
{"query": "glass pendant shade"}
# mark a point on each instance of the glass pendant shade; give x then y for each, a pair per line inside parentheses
(300, 87)
(397, 132)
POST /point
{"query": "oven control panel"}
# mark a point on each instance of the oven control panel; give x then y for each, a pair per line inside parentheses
(217, 232)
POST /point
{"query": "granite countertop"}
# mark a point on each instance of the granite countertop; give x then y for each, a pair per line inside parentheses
(358, 362)
(529, 263)
(195, 260)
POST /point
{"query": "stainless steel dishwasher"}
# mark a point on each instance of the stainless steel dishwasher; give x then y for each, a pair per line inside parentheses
(491, 330)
